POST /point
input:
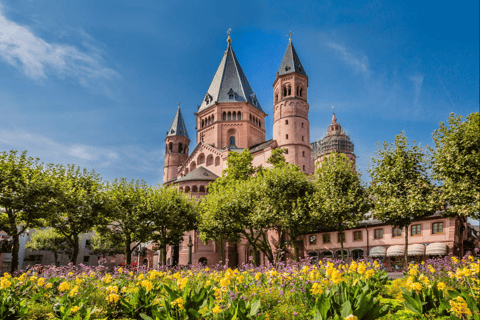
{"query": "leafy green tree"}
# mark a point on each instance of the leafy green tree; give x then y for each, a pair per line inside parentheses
(78, 201)
(49, 240)
(171, 214)
(401, 189)
(124, 220)
(25, 196)
(103, 246)
(340, 199)
(225, 213)
(456, 163)
(282, 200)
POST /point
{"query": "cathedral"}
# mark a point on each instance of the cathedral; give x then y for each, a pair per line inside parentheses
(231, 119)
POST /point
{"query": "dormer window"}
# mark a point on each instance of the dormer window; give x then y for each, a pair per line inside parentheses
(254, 102)
(208, 98)
(231, 96)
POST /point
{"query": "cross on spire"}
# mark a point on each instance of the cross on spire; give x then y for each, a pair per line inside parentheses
(178, 104)
(228, 32)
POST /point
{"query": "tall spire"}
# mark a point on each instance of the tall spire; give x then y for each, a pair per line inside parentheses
(178, 127)
(229, 83)
(291, 62)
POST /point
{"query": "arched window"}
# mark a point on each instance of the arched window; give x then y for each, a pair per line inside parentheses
(187, 189)
(170, 147)
(209, 120)
(193, 166)
(202, 189)
(209, 160)
(194, 189)
(276, 98)
(203, 124)
(180, 147)
(180, 189)
(301, 89)
(298, 91)
(203, 261)
(239, 115)
(234, 116)
(286, 122)
(303, 153)
(284, 91)
(213, 119)
(229, 117)
(232, 140)
(250, 118)
(260, 124)
(217, 161)
(201, 159)
(286, 137)
(289, 90)
(224, 116)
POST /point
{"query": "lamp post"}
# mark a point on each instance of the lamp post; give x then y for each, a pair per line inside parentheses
(190, 245)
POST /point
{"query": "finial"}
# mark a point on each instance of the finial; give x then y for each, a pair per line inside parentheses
(334, 119)
(289, 35)
(229, 39)
(178, 104)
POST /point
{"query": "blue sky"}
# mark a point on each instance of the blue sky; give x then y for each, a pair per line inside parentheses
(97, 83)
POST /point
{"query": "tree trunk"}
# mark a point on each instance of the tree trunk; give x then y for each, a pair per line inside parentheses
(55, 257)
(15, 249)
(75, 249)
(294, 248)
(164, 254)
(221, 251)
(341, 247)
(406, 248)
(128, 254)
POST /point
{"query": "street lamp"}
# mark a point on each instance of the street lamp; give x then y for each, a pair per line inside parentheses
(190, 245)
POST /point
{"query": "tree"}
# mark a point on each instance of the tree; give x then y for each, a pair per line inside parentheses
(171, 214)
(282, 194)
(456, 164)
(25, 196)
(401, 189)
(103, 246)
(340, 200)
(225, 213)
(48, 240)
(78, 201)
(124, 220)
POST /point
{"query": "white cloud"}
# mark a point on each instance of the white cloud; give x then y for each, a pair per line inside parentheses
(360, 64)
(417, 87)
(38, 59)
(118, 161)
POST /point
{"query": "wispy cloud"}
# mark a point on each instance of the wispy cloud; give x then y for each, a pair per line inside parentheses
(123, 160)
(358, 61)
(38, 59)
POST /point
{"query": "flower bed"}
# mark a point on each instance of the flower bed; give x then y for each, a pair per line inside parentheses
(447, 288)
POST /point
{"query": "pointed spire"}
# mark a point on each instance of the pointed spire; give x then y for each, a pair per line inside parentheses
(291, 62)
(178, 127)
(229, 83)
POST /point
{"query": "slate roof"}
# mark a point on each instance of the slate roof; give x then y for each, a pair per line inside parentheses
(261, 146)
(178, 127)
(199, 174)
(229, 79)
(291, 62)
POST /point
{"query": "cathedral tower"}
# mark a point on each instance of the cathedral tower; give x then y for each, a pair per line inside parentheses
(176, 147)
(291, 128)
(230, 114)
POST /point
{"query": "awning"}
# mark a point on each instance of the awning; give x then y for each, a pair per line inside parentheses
(378, 251)
(395, 251)
(437, 249)
(416, 249)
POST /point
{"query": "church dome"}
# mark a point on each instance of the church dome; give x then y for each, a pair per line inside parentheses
(335, 140)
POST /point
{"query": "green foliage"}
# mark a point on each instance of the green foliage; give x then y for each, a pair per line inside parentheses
(340, 200)
(124, 220)
(456, 163)
(106, 246)
(401, 189)
(171, 214)
(48, 240)
(25, 196)
(78, 202)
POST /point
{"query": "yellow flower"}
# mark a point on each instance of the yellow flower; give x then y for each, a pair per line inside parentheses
(78, 281)
(4, 283)
(40, 282)
(417, 286)
(316, 289)
(74, 309)
(130, 273)
(454, 259)
(49, 285)
(141, 277)
(207, 269)
(120, 270)
(70, 274)
(459, 307)
(208, 283)
(147, 285)
(351, 317)
(74, 291)
(441, 286)
(369, 273)
(64, 286)
(113, 298)
(216, 310)
(178, 302)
